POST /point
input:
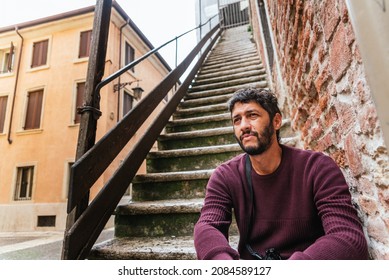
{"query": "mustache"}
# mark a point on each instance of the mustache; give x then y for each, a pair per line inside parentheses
(248, 133)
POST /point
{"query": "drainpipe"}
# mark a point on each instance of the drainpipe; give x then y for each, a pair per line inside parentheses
(120, 60)
(16, 85)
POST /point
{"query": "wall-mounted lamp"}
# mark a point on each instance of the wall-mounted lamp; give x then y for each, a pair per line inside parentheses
(137, 91)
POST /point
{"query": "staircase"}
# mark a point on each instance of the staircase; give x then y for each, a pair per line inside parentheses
(158, 222)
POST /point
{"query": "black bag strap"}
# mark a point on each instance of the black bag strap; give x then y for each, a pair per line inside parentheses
(270, 254)
(250, 217)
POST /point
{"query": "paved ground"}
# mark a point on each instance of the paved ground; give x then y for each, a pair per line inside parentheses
(36, 245)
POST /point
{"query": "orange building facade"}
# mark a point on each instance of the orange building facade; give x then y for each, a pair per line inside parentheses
(42, 80)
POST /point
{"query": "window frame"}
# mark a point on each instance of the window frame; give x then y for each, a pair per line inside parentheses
(7, 59)
(31, 168)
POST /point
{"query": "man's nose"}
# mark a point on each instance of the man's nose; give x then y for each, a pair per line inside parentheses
(245, 124)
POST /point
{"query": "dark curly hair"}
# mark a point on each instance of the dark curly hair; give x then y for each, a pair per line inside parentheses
(264, 97)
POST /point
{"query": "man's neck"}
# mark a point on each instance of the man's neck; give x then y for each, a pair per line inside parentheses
(267, 162)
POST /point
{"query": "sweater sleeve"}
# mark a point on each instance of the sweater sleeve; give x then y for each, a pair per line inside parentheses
(344, 237)
(211, 230)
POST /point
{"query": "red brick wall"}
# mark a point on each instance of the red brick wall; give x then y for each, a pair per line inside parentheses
(320, 78)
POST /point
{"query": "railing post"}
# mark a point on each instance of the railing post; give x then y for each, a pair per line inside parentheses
(90, 112)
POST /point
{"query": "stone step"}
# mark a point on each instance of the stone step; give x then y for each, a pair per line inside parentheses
(230, 83)
(198, 123)
(199, 138)
(240, 55)
(205, 101)
(198, 158)
(157, 218)
(215, 92)
(229, 76)
(231, 63)
(170, 185)
(149, 248)
(200, 111)
(203, 77)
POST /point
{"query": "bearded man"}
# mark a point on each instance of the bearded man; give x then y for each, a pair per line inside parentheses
(288, 203)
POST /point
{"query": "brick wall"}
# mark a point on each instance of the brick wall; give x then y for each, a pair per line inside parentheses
(319, 76)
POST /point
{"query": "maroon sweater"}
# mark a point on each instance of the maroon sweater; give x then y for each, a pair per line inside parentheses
(303, 209)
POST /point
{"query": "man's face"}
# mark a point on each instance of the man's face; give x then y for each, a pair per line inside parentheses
(252, 127)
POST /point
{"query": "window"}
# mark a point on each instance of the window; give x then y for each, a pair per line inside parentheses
(127, 102)
(79, 99)
(130, 56)
(85, 42)
(3, 108)
(39, 53)
(34, 110)
(7, 59)
(24, 181)
(46, 221)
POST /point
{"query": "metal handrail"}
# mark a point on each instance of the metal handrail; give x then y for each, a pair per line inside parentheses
(81, 236)
(137, 61)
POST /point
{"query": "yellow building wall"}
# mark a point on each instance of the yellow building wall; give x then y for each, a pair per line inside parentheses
(52, 147)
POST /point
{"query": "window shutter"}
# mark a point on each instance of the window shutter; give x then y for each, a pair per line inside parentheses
(3, 108)
(130, 56)
(79, 100)
(85, 40)
(10, 57)
(127, 103)
(39, 53)
(34, 110)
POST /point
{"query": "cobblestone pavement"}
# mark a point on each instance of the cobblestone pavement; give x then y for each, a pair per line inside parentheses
(36, 245)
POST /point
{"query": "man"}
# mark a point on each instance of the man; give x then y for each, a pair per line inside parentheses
(288, 203)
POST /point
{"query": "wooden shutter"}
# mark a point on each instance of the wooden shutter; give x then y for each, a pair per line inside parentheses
(39, 53)
(130, 56)
(79, 100)
(34, 110)
(127, 103)
(3, 108)
(85, 40)
(10, 58)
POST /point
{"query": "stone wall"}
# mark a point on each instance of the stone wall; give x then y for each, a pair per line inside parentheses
(318, 74)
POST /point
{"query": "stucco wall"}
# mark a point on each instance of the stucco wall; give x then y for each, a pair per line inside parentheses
(319, 75)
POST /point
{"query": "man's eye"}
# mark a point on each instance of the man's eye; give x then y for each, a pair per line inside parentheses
(253, 116)
(236, 121)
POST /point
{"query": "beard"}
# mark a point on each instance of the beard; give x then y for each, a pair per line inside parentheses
(263, 141)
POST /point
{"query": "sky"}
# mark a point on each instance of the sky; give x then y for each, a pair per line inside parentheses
(159, 20)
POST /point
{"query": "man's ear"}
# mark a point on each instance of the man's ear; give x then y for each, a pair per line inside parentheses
(277, 121)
